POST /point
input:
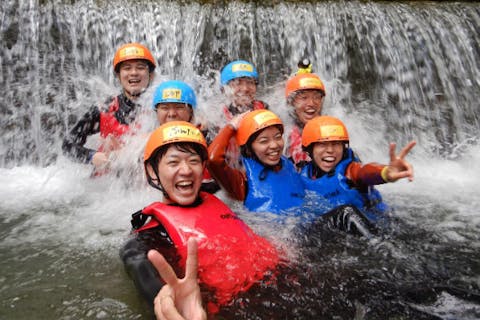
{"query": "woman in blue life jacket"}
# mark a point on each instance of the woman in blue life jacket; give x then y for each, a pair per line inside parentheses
(134, 67)
(342, 180)
(175, 100)
(174, 160)
(268, 182)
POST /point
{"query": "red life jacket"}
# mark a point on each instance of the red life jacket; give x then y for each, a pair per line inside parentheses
(109, 125)
(231, 257)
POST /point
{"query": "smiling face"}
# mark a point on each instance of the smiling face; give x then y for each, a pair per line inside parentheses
(241, 91)
(307, 104)
(181, 171)
(268, 145)
(134, 76)
(328, 154)
(171, 111)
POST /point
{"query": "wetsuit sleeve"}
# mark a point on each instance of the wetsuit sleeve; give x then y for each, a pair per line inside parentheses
(134, 256)
(232, 180)
(365, 175)
(73, 143)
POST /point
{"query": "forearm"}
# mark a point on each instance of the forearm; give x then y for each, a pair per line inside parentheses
(365, 175)
(73, 143)
(232, 180)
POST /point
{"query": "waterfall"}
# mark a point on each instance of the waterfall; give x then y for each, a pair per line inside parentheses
(412, 67)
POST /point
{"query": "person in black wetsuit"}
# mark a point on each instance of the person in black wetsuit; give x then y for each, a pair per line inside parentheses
(134, 67)
(174, 160)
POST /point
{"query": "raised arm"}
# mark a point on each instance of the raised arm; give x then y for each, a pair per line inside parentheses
(231, 179)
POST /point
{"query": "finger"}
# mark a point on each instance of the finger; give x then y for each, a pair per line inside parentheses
(407, 149)
(392, 151)
(406, 173)
(168, 309)
(163, 268)
(192, 259)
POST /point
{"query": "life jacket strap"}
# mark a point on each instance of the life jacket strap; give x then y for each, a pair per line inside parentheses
(138, 219)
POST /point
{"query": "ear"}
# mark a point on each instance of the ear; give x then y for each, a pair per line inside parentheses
(150, 172)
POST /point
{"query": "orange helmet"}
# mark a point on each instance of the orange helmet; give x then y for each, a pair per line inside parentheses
(303, 81)
(131, 51)
(255, 121)
(171, 132)
(323, 128)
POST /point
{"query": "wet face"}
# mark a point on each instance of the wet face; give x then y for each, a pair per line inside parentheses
(181, 174)
(173, 111)
(241, 91)
(307, 104)
(268, 145)
(134, 76)
(328, 154)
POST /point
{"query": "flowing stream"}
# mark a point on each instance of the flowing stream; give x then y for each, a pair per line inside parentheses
(394, 71)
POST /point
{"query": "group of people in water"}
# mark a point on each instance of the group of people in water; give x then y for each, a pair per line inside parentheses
(247, 157)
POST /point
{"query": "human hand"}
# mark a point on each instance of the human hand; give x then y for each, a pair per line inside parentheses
(100, 160)
(398, 167)
(235, 122)
(179, 299)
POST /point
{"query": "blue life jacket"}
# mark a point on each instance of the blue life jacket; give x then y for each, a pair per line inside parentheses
(337, 189)
(270, 191)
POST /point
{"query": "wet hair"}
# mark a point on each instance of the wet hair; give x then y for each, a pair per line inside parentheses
(187, 147)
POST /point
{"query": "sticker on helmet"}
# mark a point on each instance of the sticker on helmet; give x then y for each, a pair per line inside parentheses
(263, 117)
(172, 94)
(310, 82)
(332, 131)
(182, 133)
(242, 67)
(132, 51)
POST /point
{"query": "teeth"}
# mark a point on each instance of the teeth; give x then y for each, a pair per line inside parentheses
(329, 159)
(184, 184)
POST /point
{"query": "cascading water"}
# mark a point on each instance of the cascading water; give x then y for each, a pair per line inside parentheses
(393, 71)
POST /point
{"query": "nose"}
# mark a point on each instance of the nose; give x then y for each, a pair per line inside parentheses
(172, 113)
(329, 147)
(185, 168)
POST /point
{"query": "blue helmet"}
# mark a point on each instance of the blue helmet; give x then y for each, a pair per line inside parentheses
(174, 91)
(238, 69)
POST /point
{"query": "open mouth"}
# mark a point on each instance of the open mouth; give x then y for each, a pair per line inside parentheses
(134, 81)
(184, 186)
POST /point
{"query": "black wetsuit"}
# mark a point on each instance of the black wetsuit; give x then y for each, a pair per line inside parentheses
(89, 124)
(137, 265)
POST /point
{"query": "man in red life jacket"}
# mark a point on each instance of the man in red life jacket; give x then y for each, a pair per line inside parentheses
(232, 257)
(134, 67)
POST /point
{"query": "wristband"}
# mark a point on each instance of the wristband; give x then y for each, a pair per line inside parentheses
(384, 174)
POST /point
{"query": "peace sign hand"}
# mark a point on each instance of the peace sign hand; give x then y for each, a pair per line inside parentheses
(398, 167)
(179, 299)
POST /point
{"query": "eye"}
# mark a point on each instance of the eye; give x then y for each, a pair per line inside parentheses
(172, 162)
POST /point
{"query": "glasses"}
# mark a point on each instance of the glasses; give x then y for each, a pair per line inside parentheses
(177, 107)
